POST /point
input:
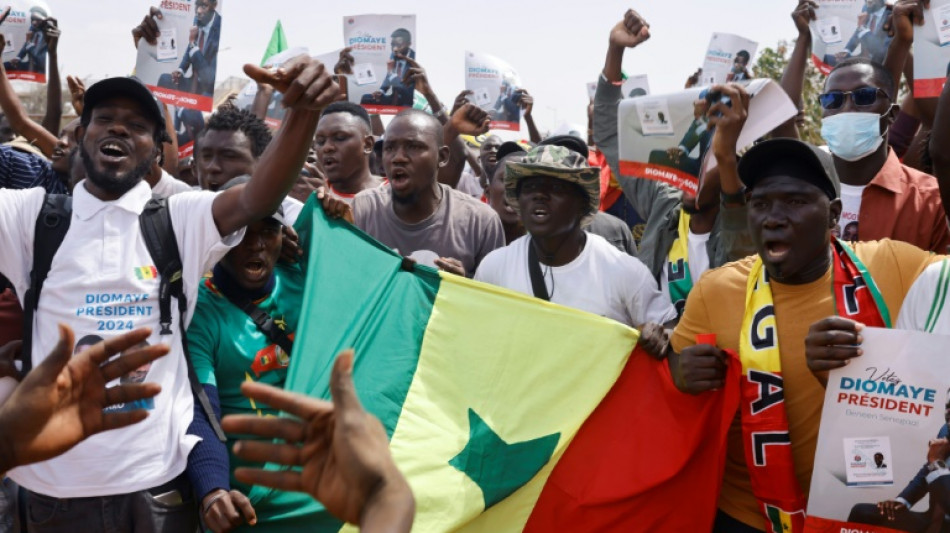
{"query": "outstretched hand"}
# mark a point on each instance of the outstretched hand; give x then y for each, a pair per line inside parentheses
(342, 449)
(77, 92)
(60, 402)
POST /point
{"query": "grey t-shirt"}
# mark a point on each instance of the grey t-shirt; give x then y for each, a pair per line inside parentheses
(462, 227)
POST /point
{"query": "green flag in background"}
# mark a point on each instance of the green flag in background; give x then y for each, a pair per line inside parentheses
(277, 44)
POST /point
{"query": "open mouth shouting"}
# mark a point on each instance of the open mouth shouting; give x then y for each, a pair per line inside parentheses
(113, 152)
(776, 251)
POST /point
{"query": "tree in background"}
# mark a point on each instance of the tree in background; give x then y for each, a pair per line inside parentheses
(771, 64)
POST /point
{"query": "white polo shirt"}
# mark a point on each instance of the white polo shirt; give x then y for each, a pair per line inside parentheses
(103, 282)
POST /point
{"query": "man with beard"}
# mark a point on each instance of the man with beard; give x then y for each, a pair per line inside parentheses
(103, 279)
(343, 144)
(416, 215)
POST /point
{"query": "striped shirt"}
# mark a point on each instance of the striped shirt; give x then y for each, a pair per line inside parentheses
(22, 170)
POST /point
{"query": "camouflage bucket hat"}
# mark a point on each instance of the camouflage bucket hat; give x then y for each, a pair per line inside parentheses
(555, 162)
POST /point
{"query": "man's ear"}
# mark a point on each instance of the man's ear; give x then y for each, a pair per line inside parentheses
(368, 143)
(890, 116)
(834, 213)
(443, 156)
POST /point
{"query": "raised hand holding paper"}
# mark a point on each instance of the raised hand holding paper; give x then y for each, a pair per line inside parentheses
(666, 137)
(494, 85)
(380, 45)
(24, 56)
(181, 67)
(880, 412)
(728, 59)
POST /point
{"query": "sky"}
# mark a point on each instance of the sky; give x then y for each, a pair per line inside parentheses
(555, 45)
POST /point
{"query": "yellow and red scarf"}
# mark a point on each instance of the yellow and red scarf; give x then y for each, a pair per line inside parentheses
(768, 450)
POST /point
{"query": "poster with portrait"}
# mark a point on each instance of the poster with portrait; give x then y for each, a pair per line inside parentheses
(667, 137)
(728, 58)
(275, 111)
(932, 50)
(26, 47)
(879, 414)
(380, 45)
(181, 67)
(848, 28)
(496, 88)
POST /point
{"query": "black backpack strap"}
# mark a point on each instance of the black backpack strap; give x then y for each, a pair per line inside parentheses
(537, 278)
(156, 224)
(51, 227)
(264, 323)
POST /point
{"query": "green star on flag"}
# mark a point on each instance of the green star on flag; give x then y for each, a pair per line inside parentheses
(497, 467)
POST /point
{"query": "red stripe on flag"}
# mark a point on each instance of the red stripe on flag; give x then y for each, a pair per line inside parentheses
(670, 176)
(649, 458)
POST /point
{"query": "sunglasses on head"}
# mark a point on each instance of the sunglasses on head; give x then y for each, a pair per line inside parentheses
(863, 97)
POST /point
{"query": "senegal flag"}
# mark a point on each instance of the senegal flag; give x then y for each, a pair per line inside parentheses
(485, 392)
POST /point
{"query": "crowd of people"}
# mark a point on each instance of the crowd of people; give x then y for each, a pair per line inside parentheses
(787, 251)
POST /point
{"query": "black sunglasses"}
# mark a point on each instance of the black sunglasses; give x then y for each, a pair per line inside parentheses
(863, 97)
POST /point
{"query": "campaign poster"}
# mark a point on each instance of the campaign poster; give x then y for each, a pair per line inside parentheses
(729, 58)
(932, 50)
(667, 137)
(634, 86)
(275, 111)
(848, 28)
(180, 68)
(380, 46)
(879, 414)
(495, 87)
(24, 52)
(188, 124)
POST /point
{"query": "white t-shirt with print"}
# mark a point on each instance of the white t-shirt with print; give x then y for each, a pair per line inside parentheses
(850, 208)
(601, 280)
(103, 282)
(698, 261)
(919, 302)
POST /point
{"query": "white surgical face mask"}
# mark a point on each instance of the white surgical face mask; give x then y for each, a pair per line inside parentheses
(852, 136)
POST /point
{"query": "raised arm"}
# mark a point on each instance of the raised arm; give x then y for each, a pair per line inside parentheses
(527, 106)
(793, 79)
(307, 88)
(54, 86)
(20, 121)
(467, 120)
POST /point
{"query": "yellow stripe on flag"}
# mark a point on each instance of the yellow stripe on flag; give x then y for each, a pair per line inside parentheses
(527, 368)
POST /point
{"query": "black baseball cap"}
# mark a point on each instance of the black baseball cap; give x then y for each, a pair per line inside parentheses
(793, 158)
(128, 87)
(508, 148)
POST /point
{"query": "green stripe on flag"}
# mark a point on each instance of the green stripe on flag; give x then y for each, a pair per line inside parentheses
(389, 322)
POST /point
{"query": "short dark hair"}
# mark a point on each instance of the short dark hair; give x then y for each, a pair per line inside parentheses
(420, 113)
(880, 72)
(231, 119)
(348, 107)
(745, 54)
(404, 33)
